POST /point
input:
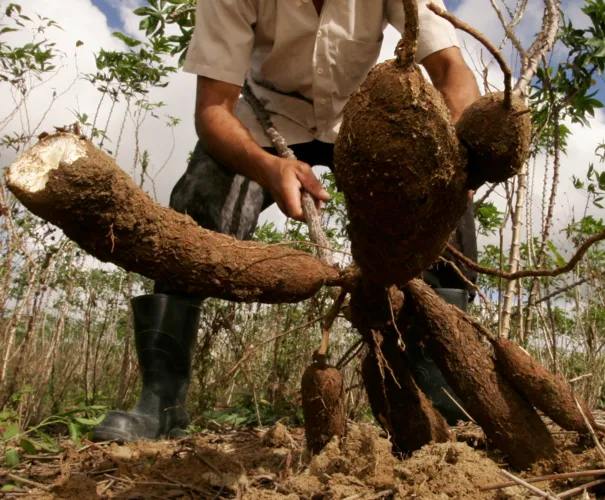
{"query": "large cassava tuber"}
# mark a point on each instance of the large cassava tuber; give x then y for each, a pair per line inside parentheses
(549, 393)
(399, 163)
(69, 182)
(322, 391)
(496, 137)
(507, 418)
(396, 400)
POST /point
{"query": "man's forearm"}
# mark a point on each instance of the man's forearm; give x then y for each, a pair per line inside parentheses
(459, 88)
(230, 142)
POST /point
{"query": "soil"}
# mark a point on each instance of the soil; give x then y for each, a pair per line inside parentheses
(274, 464)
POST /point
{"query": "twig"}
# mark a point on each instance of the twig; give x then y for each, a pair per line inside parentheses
(98, 447)
(183, 485)
(580, 489)
(487, 194)
(508, 30)
(328, 321)
(541, 46)
(488, 45)
(251, 351)
(458, 405)
(158, 483)
(549, 477)
(351, 353)
(595, 439)
(407, 45)
(24, 480)
(465, 279)
(517, 480)
(530, 272)
(581, 377)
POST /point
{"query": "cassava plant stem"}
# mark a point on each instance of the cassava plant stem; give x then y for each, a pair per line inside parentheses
(316, 232)
(530, 272)
(488, 45)
(406, 48)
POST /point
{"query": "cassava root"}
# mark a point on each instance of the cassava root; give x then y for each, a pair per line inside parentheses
(69, 182)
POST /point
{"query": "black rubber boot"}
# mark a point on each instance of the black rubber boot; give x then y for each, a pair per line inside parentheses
(426, 373)
(165, 331)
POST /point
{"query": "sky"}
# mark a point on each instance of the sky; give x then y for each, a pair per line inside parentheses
(93, 21)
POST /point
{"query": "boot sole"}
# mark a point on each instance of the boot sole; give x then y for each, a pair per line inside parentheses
(101, 433)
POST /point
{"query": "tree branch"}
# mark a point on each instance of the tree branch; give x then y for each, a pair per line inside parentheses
(488, 45)
(529, 272)
(541, 46)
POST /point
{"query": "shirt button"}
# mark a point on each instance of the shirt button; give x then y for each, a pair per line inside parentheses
(319, 33)
(323, 101)
(320, 71)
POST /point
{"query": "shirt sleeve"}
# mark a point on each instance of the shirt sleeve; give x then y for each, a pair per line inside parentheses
(222, 41)
(435, 32)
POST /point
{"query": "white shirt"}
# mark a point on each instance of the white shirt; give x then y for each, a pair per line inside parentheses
(302, 65)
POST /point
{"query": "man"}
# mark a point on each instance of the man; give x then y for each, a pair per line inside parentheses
(303, 59)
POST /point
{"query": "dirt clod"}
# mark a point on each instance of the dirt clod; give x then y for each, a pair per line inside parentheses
(277, 436)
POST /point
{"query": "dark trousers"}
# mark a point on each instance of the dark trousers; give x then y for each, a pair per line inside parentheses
(223, 201)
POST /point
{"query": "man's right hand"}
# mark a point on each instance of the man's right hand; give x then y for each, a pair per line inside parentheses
(285, 179)
(226, 138)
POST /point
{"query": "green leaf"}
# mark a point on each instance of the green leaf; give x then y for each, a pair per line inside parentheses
(7, 30)
(11, 458)
(8, 487)
(89, 421)
(28, 447)
(74, 431)
(79, 43)
(11, 431)
(5, 415)
(131, 42)
(52, 446)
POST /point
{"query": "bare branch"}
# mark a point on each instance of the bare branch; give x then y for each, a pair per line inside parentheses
(481, 38)
(508, 29)
(529, 272)
(541, 46)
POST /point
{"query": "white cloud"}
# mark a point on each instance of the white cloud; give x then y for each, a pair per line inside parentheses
(81, 20)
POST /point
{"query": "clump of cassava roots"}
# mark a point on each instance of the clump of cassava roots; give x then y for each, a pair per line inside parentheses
(405, 171)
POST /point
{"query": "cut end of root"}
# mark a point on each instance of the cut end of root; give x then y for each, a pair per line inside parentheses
(31, 170)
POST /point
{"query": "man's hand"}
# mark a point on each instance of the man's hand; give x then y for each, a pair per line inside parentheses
(226, 138)
(285, 179)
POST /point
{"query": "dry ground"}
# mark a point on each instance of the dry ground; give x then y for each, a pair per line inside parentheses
(224, 462)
